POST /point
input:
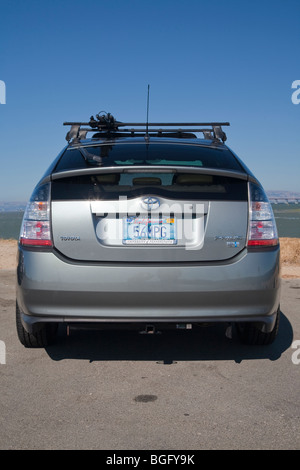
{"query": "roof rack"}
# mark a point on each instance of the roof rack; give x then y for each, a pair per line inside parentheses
(106, 125)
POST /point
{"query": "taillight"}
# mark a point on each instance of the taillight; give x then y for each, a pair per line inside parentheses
(36, 226)
(262, 230)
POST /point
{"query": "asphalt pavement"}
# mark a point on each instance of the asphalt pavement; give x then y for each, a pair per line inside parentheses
(179, 390)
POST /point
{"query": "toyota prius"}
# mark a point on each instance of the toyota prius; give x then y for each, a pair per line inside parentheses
(145, 226)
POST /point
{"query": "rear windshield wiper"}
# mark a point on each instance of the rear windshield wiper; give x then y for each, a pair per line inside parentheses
(91, 157)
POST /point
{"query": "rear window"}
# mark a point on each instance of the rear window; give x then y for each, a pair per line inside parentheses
(151, 154)
(110, 186)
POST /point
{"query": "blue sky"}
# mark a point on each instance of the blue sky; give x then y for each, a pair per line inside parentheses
(204, 60)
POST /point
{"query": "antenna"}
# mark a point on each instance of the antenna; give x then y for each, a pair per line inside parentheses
(147, 120)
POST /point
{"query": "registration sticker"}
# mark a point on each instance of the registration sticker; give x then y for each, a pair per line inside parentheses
(149, 231)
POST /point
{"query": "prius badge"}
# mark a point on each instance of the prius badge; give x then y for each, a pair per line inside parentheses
(231, 241)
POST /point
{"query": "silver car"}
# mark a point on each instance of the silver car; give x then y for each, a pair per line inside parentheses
(146, 225)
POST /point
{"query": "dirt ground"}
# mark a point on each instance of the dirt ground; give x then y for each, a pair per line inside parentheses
(290, 256)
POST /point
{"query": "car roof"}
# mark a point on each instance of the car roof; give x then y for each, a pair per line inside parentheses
(119, 140)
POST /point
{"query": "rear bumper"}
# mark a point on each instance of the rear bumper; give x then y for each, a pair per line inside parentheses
(245, 289)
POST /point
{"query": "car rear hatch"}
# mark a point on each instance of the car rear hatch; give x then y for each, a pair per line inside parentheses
(148, 213)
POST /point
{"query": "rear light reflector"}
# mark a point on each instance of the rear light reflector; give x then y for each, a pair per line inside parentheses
(262, 230)
(27, 242)
(262, 242)
(36, 226)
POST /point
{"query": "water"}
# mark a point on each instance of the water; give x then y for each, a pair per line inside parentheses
(10, 224)
(287, 218)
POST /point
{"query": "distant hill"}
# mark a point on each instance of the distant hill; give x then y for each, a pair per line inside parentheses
(12, 206)
(283, 194)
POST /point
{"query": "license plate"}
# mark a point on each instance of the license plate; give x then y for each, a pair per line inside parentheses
(149, 231)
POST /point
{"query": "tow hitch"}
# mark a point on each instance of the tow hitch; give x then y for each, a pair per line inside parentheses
(150, 330)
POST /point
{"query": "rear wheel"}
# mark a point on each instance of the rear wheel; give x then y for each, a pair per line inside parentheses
(250, 334)
(45, 335)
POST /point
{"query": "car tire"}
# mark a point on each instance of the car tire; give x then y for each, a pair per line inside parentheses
(45, 336)
(250, 334)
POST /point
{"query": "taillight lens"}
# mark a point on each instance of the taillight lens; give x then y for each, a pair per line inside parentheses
(36, 226)
(262, 226)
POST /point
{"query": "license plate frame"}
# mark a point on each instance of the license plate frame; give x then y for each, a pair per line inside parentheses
(149, 231)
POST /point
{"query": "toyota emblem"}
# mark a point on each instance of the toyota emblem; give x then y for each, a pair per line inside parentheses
(150, 203)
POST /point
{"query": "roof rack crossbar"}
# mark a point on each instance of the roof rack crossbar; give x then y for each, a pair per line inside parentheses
(144, 124)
